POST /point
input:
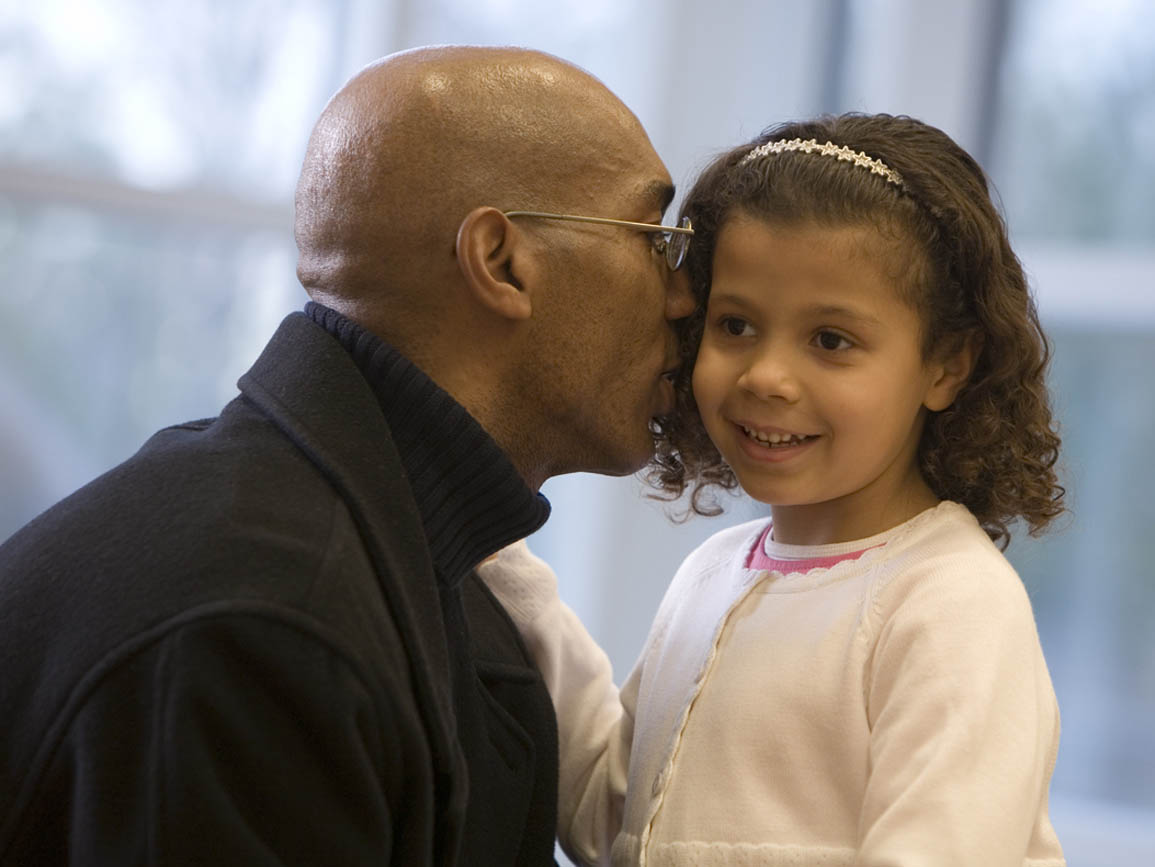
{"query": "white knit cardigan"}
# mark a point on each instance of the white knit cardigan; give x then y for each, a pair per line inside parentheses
(893, 710)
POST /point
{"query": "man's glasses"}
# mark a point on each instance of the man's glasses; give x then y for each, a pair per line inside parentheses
(671, 241)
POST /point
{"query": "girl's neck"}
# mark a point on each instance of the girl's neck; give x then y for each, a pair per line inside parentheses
(849, 518)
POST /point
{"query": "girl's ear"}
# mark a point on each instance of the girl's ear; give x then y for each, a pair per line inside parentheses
(952, 372)
(490, 253)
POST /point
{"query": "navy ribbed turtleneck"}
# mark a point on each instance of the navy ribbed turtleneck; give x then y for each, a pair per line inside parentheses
(472, 500)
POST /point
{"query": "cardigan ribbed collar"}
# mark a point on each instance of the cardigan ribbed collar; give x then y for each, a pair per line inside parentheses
(472, 500)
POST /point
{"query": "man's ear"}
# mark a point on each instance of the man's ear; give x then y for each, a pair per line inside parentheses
(490, 250)
(952, 372)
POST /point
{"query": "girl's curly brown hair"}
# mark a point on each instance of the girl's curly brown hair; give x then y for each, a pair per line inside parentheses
(994, 449)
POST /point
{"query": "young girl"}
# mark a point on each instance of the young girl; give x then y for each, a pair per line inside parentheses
(858, 679)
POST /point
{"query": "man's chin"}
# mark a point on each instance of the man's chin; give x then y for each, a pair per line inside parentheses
(626, 463)
(610, 454)
(638, 460)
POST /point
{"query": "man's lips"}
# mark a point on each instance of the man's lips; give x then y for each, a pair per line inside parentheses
(668, 397)
(666, 380)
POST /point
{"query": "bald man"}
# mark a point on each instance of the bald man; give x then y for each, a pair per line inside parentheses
(261, 640)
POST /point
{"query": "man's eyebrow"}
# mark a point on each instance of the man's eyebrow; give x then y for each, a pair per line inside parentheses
(661, 193)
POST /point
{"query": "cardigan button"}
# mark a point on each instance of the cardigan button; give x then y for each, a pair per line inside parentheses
(659, 784)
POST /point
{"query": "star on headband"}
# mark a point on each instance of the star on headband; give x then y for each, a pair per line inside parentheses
(830, 149)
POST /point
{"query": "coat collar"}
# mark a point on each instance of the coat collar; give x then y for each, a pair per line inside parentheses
(471, 498)
(310, 388)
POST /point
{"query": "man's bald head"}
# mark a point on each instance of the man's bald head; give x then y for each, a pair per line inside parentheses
(414, 142)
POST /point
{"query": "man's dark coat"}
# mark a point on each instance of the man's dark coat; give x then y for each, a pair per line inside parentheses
(234, 649)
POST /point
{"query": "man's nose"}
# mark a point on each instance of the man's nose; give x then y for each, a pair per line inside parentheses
(679, 299)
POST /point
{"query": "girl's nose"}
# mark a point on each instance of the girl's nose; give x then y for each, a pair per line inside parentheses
(770, 376)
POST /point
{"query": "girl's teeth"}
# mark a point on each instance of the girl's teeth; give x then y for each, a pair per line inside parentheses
(773, 439)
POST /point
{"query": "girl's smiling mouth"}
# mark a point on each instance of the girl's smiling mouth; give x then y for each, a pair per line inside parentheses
(775, 439)
(771, 445)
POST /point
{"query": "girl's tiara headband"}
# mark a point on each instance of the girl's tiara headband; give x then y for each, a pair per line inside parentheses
(811, 146)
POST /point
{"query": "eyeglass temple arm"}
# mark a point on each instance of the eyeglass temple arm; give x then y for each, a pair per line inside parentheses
(648, 227)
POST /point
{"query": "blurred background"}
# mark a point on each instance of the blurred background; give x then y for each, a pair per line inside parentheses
(149, 148)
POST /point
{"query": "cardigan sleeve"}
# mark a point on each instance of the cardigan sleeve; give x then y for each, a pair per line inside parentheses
(595, 720)
(963, 722)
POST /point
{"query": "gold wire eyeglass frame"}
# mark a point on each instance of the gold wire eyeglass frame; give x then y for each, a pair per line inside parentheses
(671, 241)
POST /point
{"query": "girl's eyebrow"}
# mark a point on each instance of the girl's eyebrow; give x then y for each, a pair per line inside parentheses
(844, 312)
(730, 298)
(817, 310)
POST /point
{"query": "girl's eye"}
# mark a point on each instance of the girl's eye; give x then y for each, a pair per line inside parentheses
(832, 341)
(735, 327)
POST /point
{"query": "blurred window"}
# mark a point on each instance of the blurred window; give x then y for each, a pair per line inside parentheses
(1075, 142)
(1074, 161)
(170, 94)
(148, 153)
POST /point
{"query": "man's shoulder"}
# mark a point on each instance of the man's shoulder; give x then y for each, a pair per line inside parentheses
(205, 512)
(205, 480)
(211, 520)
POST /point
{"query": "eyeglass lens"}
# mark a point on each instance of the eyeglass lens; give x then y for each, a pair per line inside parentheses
(676, 244)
